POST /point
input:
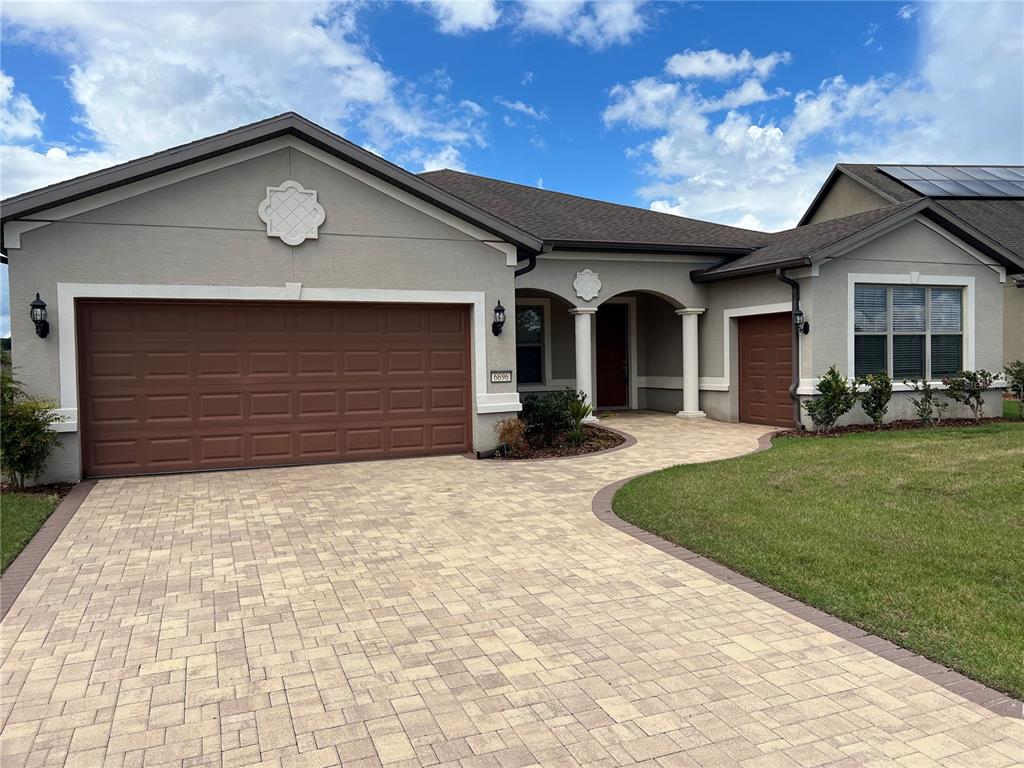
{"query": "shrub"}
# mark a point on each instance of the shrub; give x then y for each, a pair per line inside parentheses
(875, 398)
(1015, 382)
(26, 440)
(927, 405)
(836, 397)
(579, 410)
(968, 388)
(511, 436)
(547, 414)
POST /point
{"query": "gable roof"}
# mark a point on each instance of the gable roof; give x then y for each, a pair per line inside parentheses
(1001, 219)
(289, 123)
(811, 243)
(569, 221)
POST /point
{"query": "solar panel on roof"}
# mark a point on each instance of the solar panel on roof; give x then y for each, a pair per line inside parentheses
(960, 180)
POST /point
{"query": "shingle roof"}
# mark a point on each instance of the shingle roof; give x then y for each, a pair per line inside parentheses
(793, 247)
(560, 218)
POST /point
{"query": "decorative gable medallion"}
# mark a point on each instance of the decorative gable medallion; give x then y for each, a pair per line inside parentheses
(292, 212)
(587, 285)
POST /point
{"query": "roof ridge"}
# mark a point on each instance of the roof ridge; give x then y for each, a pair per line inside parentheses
(592, 200)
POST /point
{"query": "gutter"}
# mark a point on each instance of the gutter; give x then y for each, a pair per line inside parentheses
(781, 276)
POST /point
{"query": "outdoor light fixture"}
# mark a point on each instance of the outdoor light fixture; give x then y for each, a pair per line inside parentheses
(499, 319)
(37, 311)
(801, 324)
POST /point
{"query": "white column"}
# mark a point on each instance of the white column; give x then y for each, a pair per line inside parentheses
(691, 357)
(584, 369)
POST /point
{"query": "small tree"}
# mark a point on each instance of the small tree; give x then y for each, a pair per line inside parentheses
(26, 440)
(927, 405)
(876, 396)
(968, 388)
(836, 398)
(1015, 382)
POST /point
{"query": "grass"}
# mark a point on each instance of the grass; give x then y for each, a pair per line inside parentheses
(914, 536)
(21, 515)
(1011, 409)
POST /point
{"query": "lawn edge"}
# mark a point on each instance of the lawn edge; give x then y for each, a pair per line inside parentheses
(18, 573)
(994, 701)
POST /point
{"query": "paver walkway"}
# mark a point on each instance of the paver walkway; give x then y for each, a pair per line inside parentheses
(437, 611)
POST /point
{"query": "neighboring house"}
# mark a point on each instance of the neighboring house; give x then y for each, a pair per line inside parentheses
(967, 192)
(277, 295)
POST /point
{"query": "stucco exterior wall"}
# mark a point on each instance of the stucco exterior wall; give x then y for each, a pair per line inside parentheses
(846, 198)
(206, 231)
(1013, 322)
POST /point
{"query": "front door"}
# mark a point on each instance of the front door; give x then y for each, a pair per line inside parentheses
(612, 356)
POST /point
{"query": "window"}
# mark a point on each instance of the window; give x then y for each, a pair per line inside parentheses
(910, 331)
(529, 344)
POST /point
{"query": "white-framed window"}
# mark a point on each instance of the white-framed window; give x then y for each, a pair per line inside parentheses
(908, 331)
(530, 320)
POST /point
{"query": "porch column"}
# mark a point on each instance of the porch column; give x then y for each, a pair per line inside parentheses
(691, 357)
(584, 371)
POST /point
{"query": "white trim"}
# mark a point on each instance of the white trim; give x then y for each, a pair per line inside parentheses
(723, 383)
(545, 305)
(965, 247)
(809, 386)
(100, 199)
(665, 258)
(660, 382)
(912, 278)
(552, 384)
(68, 353)
(13, 230)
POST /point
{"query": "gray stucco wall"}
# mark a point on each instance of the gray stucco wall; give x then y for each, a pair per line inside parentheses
(846, 198)
(206, 231)
(1013, 322)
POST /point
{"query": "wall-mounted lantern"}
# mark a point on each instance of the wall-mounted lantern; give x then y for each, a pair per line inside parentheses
(37, 311)
(801, 324)
(499, 319)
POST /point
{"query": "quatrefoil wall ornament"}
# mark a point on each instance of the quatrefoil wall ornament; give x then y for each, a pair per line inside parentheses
(292, 212)
(587, 284)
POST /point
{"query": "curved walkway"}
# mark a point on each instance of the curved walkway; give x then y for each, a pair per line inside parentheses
(437, 611)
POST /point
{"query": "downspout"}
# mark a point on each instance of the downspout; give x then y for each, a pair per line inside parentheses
(531, 264)
(781, 275)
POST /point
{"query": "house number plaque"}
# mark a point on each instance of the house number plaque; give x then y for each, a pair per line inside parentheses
(501, 377)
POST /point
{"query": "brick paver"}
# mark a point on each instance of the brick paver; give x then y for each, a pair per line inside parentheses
(438, 611)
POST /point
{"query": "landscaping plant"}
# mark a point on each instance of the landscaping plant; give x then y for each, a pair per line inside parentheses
(546, 415)
(512, 437)
(579, 410)
(928, 407)
(26, 439)
(836, 397)
(968, 388)
(1015, 382)
(876, 395)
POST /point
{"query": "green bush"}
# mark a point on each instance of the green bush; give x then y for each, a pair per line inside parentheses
(26, 440)
(928, 407)
(579, 410)
(836, 397)
(547, 414)
(968, 388)
(876, 395)
(1015, 382)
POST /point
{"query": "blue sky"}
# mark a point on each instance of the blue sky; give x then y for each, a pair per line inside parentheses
(733, 112)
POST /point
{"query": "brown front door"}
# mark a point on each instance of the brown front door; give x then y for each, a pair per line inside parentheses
(766, 359)
(612, 356)
(172, 386)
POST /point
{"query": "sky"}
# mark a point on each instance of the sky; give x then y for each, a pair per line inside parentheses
(730, 112)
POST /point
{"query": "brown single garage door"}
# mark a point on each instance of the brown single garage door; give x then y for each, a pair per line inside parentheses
(171, 386)
(766, 360)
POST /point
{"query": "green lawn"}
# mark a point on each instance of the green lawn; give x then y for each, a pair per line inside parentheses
(916, 536)
(21, 515)
(1011, 409)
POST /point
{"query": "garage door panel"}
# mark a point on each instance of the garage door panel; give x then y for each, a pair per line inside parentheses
(177, 386)
(765, 362)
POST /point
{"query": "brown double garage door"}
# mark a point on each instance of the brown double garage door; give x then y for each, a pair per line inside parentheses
(171, 386)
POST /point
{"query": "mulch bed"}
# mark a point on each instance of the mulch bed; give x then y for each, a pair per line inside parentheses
(597, 439)
(893, 426)
(60, 490)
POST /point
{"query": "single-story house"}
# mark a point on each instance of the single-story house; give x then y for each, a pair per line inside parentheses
(278, 295)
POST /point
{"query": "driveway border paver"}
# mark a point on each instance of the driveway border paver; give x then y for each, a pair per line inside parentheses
(20, 571)
(989, 698)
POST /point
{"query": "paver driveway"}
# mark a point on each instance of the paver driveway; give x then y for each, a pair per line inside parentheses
(437, 611)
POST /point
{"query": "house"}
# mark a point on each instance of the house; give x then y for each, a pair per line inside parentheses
(278, 295)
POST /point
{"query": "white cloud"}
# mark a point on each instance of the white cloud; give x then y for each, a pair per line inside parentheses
(595, 24)
(906, 12)
(750, 92)
(522, 108)
(446, 157)
(147, 76)
(961, 104)
(717, 65)
(19, 119)
(527, 78)
(458, 17)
